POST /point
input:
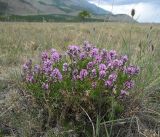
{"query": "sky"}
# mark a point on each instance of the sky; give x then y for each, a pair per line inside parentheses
(146, 10)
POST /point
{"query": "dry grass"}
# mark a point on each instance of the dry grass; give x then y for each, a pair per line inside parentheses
(141, 42)
(19, 41)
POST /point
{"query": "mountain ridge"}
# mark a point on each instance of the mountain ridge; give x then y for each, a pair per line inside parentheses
(33, 7)
(57, 7)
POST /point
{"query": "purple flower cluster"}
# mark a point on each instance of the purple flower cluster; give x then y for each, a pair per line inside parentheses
(45, 86)
(75, 75)
(83, 74)
(90, 65)
(102, 74)
(65, 67)
(45, 71)
(107, 64)
(132, 70)
(102, 67)
(98, 59)
(94, 52)
(129, 84)
(93, 73)
(111, 79)
(44, 56)
(56, 74)
(108, 83)
(93, 66)
(37, 69)
(82, 56)
(27, 66)
(87, 46)
(73, 51)
(47, 66)
(55, 56)
(124, 59)
(29, 78)
(112, 54)
(104, 53)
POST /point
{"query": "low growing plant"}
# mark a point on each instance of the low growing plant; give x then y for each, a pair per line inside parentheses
(83, 84)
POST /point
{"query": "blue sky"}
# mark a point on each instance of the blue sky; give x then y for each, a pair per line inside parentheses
(146, 10)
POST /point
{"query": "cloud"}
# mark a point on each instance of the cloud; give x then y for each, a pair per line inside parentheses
(146, 10)
(124, 2)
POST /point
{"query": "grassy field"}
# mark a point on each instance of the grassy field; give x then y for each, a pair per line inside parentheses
(141, 42)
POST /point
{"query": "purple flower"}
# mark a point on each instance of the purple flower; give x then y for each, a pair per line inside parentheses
(112, 54)
(132, 70)
(94, 85)
(87, 47)
(75, 74)
(117, 63)
(102, 67)
(83, 74)
(36, 68)
(45, 86)
(27, 66)
(98, 59)
(55, 56)
(82, 56)
(30, 78)
(124, 59)
(65, 67)
(108, 83)
(110, 65)
(90, 65)
(104, 53)
(102, 74)
(113, 77)
(93, 73)
(120, 63)
(44, 56)
(56, 74)
(47, 66)
(73, 50)
(123, 93)
(129, 84)
(47, 63)
(94, 52)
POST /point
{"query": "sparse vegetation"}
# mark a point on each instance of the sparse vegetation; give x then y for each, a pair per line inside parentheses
(84, 14)
(133, 12)
(48, 18)
(21, 115)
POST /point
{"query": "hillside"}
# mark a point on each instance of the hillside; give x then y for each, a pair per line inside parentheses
(60, 8)
(34, 7)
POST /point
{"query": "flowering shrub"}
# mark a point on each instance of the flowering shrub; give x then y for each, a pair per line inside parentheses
(84, 76)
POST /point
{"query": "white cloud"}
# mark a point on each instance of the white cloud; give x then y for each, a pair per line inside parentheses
(145, 12)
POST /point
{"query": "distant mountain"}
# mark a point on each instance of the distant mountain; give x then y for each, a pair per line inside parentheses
(120, 18)
(56, 7)
(36, 7)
